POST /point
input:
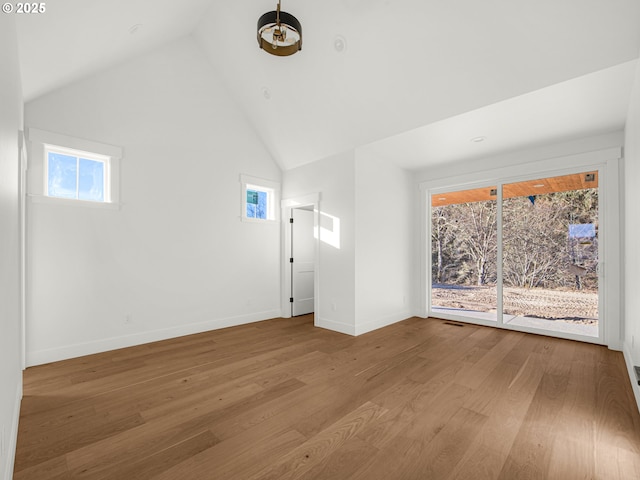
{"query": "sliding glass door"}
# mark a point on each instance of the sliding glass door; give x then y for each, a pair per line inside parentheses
(464, 253)
(528, 262)
(550, 254)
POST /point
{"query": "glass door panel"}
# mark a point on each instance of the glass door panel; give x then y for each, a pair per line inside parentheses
(550, 254)
(464, 253)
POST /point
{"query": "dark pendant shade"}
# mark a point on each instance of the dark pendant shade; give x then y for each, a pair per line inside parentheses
(279, 33)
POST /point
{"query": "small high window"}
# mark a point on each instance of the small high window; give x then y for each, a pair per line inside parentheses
(259, 199)
(76, 175)
(73, 171)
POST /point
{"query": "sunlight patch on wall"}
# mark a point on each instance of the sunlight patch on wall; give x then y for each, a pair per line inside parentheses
(329, 230)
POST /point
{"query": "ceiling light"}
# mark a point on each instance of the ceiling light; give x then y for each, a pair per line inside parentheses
(279, 33)
(478, 139)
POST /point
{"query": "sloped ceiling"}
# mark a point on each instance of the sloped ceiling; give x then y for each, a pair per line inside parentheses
(76, 38)
(589, 105)
(408, 65)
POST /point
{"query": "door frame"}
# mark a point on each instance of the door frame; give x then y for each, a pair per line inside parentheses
(287, 205)
(606, 162)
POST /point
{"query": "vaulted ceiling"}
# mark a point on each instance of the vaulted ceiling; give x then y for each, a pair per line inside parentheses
(417, 81)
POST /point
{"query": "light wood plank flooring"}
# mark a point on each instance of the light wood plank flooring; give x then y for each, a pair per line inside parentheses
(421, 399)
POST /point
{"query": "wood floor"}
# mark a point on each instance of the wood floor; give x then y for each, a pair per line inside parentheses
(421, 399)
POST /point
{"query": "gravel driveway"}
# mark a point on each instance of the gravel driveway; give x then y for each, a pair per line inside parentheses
(566, 306)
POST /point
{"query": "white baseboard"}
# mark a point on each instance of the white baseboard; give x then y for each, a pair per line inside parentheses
(617, 346)
(632, 376)
(10, 456)
(339, 327)
(381, 322)
(40, 357)
(356, 330)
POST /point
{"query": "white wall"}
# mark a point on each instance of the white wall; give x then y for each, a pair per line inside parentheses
(175, 257)
(632, 234)
(365, 281)
(384, 233)
(334, 179)
(10, 323)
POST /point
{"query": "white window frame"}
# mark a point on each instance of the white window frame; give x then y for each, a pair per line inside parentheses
(42, 142)
(606, 163)
(78, 154)
(271, 188)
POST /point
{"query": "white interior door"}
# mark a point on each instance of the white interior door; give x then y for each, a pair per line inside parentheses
(303, 263)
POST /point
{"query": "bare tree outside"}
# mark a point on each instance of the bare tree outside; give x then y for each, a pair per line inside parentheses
(465, 243)
(539, 250)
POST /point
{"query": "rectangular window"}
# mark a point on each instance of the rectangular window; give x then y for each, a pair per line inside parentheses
(76, 175)
(259, 199)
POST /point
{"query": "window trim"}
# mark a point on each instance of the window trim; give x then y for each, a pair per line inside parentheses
(42, 141)
(273, 198)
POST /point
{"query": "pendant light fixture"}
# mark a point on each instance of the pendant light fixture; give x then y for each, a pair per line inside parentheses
(279, 33)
